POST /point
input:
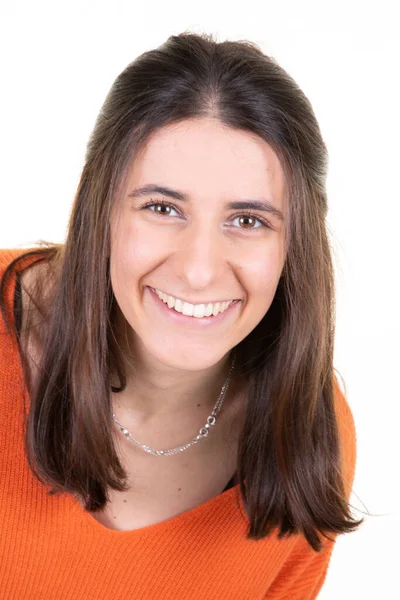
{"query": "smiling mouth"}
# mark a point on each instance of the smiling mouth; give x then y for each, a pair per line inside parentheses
(198, 311)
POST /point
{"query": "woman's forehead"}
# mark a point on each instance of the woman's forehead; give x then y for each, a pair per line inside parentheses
(204, 157)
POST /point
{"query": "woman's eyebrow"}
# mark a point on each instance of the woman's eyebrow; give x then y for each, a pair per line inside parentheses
(263, 205)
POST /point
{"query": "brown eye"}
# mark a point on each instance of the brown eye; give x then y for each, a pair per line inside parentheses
(162, 209)
(247, 221)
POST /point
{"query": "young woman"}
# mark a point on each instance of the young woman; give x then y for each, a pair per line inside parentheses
(172, 426)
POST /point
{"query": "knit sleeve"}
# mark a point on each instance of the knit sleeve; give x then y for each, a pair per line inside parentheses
(303, 575)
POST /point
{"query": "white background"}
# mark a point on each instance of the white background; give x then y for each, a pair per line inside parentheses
(58, 61)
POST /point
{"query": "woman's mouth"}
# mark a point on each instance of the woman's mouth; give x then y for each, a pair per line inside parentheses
(193, 313)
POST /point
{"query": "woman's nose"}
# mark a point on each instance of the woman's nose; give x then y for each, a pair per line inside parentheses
(202, 257)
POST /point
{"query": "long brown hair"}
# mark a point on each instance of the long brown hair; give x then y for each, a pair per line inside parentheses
(287, 358)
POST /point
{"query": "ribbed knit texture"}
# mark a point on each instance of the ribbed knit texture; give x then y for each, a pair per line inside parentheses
(50, 548)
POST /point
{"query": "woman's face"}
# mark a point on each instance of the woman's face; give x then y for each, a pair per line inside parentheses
(213, 235)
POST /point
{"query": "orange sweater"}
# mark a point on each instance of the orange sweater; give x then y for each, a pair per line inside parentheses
(50, 548)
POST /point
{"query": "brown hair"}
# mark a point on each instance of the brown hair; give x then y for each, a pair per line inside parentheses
(69, 425)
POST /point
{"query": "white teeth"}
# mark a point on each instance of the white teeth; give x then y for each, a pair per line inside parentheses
(193, 310)
(187, 309)
(178, 305)
(208, 311)
(199, 310)
(216, 309)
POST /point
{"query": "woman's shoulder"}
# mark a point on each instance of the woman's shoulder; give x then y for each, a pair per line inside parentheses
(28, 273)
(9, 359)
(16, 291)
(9, 255)
(33, 253)
(8, 279)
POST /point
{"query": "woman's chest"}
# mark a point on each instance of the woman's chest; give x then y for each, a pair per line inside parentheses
(161, 488)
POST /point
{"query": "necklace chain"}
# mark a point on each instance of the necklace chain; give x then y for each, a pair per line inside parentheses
(203, 432)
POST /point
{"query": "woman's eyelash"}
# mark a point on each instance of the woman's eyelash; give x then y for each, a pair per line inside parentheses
(250, 215)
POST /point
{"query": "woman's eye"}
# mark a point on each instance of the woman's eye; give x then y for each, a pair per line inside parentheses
(159, 208)
(248, 222)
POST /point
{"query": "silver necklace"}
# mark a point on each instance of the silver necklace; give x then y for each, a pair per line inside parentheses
(204, 431)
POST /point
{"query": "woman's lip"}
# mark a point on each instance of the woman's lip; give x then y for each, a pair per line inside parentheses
(192, 321)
